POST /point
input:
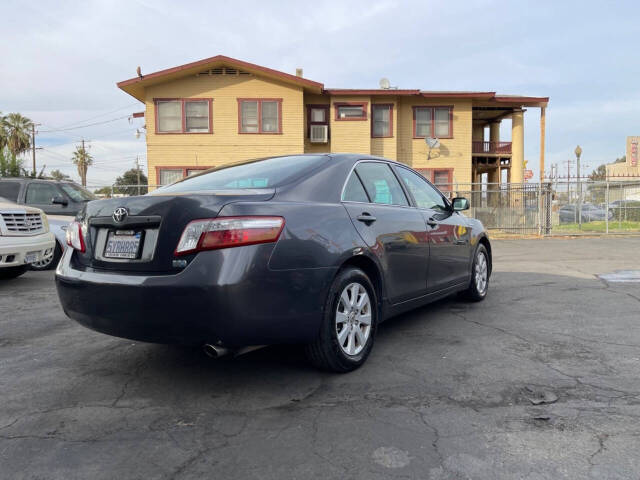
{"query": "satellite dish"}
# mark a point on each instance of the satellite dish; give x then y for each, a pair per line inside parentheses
(432, 142)
(385, 84)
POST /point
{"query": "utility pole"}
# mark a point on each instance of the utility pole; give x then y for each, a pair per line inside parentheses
(33, 145)
(578, 152)
(138, 172)
(84, 165)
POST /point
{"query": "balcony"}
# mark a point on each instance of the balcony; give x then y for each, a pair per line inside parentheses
(491, 148)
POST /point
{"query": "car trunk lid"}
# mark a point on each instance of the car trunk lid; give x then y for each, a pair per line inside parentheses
(156, 220)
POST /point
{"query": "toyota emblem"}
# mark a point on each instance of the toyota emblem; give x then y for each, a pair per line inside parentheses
(119, 214)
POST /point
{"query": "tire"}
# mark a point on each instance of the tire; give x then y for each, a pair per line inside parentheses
(479, 284)
(339, 347)
(12, 272)
(50, 263)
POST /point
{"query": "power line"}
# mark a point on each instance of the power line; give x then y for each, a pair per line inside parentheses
(96, 116)
(85, 126)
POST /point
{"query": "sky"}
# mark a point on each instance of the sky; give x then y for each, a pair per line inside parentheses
(60, 61)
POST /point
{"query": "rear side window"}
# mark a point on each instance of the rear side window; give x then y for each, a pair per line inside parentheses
(354, 191)
(381, 184)
(10, 190)
(264, 173)
(41, 193)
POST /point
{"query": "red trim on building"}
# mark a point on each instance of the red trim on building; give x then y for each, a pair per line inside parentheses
(184, 120)
(477, 95)
(259, 100)
(177, 167)
(138, 115)
(222, 59)
(356, 91)
(382, 105)
(430, 174)
(365, 112)
(433, 119)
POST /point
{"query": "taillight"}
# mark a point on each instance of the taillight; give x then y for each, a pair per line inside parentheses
(227, 232)
(75, 236)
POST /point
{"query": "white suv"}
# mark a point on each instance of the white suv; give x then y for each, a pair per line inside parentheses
(24, 238)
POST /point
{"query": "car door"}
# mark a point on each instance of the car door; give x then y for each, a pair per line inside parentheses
(41, 195)
(449, 236)
(394, 230)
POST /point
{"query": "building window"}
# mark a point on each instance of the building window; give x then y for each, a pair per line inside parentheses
(382, 120)
(168, 175)
(260, 115)
(351, 111)
(432, 122)
(440, 177)
(317, 115)
(184, 115)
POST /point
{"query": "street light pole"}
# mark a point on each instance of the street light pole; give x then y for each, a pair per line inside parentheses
(578, 152)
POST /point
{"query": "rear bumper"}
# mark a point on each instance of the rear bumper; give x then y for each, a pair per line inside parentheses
(228, 297)
(14, 249)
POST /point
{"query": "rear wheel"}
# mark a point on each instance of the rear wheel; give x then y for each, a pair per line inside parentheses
(479, 284)
(349, 324)
(50, 262)
(12, 272)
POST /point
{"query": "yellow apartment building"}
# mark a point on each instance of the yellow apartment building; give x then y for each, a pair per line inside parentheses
(630, 169)
(221, 110)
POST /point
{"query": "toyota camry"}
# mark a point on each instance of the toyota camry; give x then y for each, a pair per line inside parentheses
(309, 249)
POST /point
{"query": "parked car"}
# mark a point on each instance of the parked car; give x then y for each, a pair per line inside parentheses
(588, 212)
(58, 225)
(315, 249)
(51, 196)
(24, 238)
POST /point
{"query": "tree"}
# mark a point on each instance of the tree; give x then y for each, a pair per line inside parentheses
(130, 177)
(10, 165)
(600, 173)
(83, 161)
(17, 133)
(58, 175)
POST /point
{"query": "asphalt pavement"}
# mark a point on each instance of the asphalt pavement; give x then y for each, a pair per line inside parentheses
(539, 381)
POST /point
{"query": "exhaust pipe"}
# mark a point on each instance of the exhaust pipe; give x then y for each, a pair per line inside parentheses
(214, 351)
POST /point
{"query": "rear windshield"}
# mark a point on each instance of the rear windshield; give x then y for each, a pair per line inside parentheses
(9, 190)
(264, 173)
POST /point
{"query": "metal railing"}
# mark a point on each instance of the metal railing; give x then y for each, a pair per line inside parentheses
(549, 208)
(491, 147)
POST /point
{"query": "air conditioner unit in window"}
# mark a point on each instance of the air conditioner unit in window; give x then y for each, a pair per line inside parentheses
(319, 134)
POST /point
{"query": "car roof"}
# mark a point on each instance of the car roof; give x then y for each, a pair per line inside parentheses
(29, 179)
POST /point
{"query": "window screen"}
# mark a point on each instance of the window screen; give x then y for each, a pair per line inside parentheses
(169, 116)
(196, 116)
(168, 176)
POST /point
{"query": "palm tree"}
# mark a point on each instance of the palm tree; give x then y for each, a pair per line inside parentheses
(82, 160)
(17, 133)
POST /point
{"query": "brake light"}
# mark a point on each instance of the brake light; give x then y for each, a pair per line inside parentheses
(227, 232)
(75, 236)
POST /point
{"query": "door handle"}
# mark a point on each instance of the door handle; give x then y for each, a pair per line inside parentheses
(431, 222)
(366, 218)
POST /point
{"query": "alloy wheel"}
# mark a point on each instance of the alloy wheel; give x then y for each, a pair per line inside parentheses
(353, 319)
(481, 273)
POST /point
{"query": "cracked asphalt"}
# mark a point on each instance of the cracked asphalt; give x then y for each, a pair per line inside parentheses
(446, 394)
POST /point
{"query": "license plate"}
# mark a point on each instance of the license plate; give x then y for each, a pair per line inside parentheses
(31, 257)
(123, 244)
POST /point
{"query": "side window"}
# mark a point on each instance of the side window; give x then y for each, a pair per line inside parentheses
(425, 195)
(354, 191)
(381, 184)
(41, 193)
(10, 190)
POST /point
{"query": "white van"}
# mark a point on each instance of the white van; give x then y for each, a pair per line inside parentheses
(24, 238)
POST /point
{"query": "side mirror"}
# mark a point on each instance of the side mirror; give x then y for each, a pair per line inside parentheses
(59, 200)
(459, 204)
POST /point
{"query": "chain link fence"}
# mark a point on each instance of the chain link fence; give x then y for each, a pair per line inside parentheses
(550, 208)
